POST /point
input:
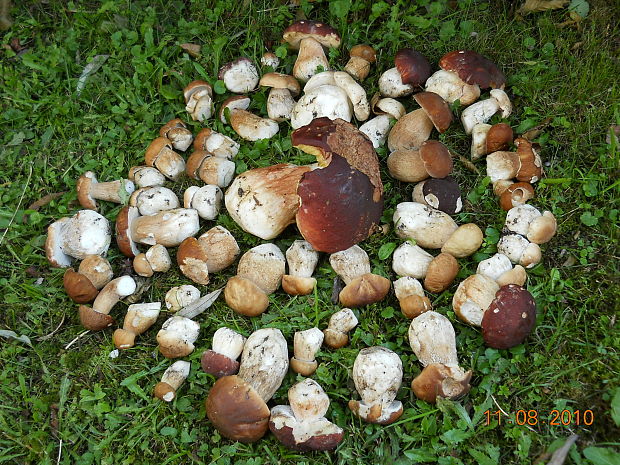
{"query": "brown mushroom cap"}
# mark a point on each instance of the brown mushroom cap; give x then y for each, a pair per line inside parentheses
(94, 320)
(440, 193)
(236, 410)
(414, 305)
(438, 380)
(195, 86)
(281, 81)
(364, 290)
(436, 108)
(307, 29)
(192, 166)
(473, 68)
(192, 260)
(78, 287)
(172, 124)
(364, 51)
(82, 187)
(436, 158)
(510, 318)
(298, 285)
(441, 272)
(154, 148)
(413, 67)
(217, 364)
(245, 297)
(236, 102)
(341, 204)
(499, 137)
(123, 226)
(516, 194)
(531, 164)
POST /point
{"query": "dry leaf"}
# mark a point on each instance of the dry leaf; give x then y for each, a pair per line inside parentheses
(535, 6)
(192, 49)
(559, 456)
(196, 308)
(45, 200)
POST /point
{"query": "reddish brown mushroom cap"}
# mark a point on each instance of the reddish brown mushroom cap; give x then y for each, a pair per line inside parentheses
(317, 442)
(321, 32)
(217, 364)
(78, 287)
(499, 137)
(236, 410)
(413, 67)
(436, 158)
(123, 225)
(510, 318)
(473, 68)
(436, 108)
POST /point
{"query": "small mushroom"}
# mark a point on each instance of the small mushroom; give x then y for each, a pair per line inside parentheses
(168, 228)
(176, 132)
(364, 290)
(377, 374)
(391, 84)
(473, 297)
(516, 194)
(502, 165)
(337, 331)
(97, 317)
(438, 380)
(93, 274)
(305, 346)
(160, 155)
(172, 380)
(221, 360)
(411, 297)
(245, 297)
(510, 317)
(252, 127)
(410, 131)
(482, 111)
(177, 336)
(350, 263)
(270, 59)
(199, 100)
(443, 194)
(440, 273)
(156, 259)
(280, 101)
(152, 200)
(432, 339)
(212, 170)
(181, 296)
(500, 269)
(206, 200)
(387, 106)
(138, 319)
(215, 144)
(530, 169)
(413, 67)
(362, 57)
(430, 228)
(356, 94)
(302, 260)
(302, 425)
(89, 190)
(146, 176)
(411, 260)
(377, 129)
(240, 76)
(488, 139)
(519, 250)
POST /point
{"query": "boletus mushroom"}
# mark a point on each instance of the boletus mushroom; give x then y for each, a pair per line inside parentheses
(171, 380)
(302, 260)
(83, 285)
(138, 319)
(305, 346)
(221, 360)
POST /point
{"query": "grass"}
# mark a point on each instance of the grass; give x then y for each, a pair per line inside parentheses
(79, 406)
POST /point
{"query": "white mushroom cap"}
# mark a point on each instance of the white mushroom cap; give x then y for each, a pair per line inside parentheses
(239, 76)
(343, 321)
(252, 127)
(391, 84)
(280, 104)
(228, 342)
(390, 107)
(177, 336)
(377, 374)
(451, 88)
(479, 112)
(356, 94)
(264, 265)
(299, 396)
(432, 338)
(302, 259)
(519, 218)
(350, 263)
(152, 200)
(146, 176)
(325, 100)
(407, 286)
(377, 129)
(428, 227)
(181, 296)
(519, 250)
(320, 79)
(473, 297)
(411, 260)
(270, 59)
(307, 343)
(494, 266)
(503, 101)
(207, 200)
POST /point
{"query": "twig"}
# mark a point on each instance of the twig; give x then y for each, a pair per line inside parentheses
(59, 452)
(76, 338)
(48, 336)
(19, 204)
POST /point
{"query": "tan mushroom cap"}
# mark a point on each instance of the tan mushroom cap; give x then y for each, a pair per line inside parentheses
(124, 220)
(406, 165)
(364, 51)
(436, 108)
(123, 339)
(298, 285)
(464, 241)
(307, 29)
(172, 124)
(414, 305)
(78, 287)
(194, 162)
(516, 194)
(531, 164)
(245, 297)
(281, 81)
(542, 229)
(441, 272)
(154, 149)
(192, 260)
(94, 320)
(410, 131)
(364, 290)
(436, 158)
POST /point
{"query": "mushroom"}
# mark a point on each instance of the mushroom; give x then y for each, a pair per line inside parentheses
(89, 190)
(377, 374)
(177, 336)
(441, 193)
(237, 404)
(387, 106)
(411, 297)
(464, 241)
(138, 319)
(481, 112)
(488, 139)
(442, 270)
(341, 202)
(430, 228)
(206, 200)
(362, 57)
(377, 129)
(350, 263)
(432, 338)
(411, 260)
(340, 323)
(326, 100)
(216, 144)
(305, 346)
(270, 59)
(500, 269)
(216, 171)
(172, 380)
(364, 290)
(473, 297)
(240, 76)
(181, 296)
(473, 68)
(302, 260)
(413, 67)
(528, 221)
(152, 200)
(324, 78)
(168, 228)
(302, 425)
(252, 127)
(97, 317)
(160, 155)
(436, 109)
(199, 100)
(510, 317)
(530, 169)
(93, 274)
(412, 165)
(124, 221)
(264, 201)
(519, 250)
(502, 165)
(231, 104)
(410, 131)
(221, 360)
(156, 259)
(85, 233)
(176, 132)
(310, 37)
(356, 94)
(516, 194)
(451, 88)
(280, 101)
(391, 84)
(146, 176)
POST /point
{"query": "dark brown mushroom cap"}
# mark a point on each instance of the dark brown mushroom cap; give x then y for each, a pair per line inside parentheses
(436, 158)
(365, 52)
(499, 137)
(413, 67)
(436, 108)
(440, 193)
(217, 364)
(510, 318)
(94, 320)
(473, 68)
(364, 290)
(437, 380)
(236, 410)
(305, 29)
(78, 287)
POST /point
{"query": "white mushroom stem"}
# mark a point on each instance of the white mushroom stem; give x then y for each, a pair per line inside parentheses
(141, 317)
(451, 88)
(377, 129)
(280, 104)
(156, 259)
(310, 57)
(479, 140)
(308, 401)
(216, 171)
(479, 112)
(200, 105)
(411, 260)
(389, 106)
(406, 287)
(307, 343)
(519, 250)
(320, 79)
(228, 342)
(325, 100)
(112, 191)
(169, 163)
(264, 265)
(356, 94)
(173, 377)
(168, 228)
(252, 127)
(391, 84)
(206, 200)
(342, 321)
(112, 292)
(432, 338)
(302, 259)
(177, 336)
(350, 263)
(430, 228)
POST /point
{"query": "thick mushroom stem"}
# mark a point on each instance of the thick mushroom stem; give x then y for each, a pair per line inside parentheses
(377, 129)
(280, 104)
(214, 143)
(160, 155)
(89, 190)
(177, 336)
(310, 57)
(350, 263)
(391, 84)
(221, 360)
(340, 323)
(411, 298)
(305, 346)
(168, 228)
(156, 259)
(473, 297)
(451, 88)
(113, 292)
(252, 127)
(378, 374)
(172, 380)
(206, 200)
(302, 260)
(138, 319)
(146, 176)
(152, 200)
(430, 228)
(176, 131)
(411, 260)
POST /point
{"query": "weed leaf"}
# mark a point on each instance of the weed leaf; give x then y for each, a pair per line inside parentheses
(601, 456)
(615, 407)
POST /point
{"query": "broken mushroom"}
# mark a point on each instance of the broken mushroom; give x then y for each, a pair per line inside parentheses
(97, 317)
